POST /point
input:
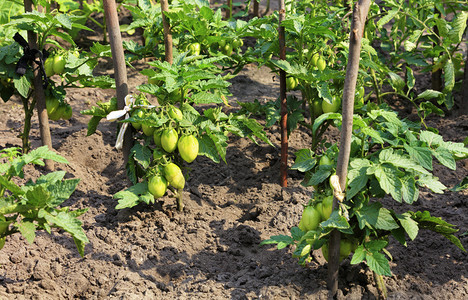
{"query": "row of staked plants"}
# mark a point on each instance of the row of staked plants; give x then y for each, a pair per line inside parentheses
(390, 156)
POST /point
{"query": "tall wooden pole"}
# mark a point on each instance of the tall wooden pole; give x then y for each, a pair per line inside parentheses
(360, 12)
(39, 95)
(167, 32)
(284, 105)
(120, 69)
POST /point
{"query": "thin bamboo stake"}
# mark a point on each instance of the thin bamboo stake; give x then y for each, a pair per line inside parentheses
(284, 106)
(360, 12)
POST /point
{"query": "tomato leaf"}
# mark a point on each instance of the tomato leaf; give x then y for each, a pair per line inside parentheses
(421, 155)
(142, 155)
(409, 225)
(432, 183)
(28, 230)
(133, 195)
(61, 191)
(378, 263)
(358, 256)
(282, 240)
(305, 160)
(389, 180)
(376, 216)
(461, 185)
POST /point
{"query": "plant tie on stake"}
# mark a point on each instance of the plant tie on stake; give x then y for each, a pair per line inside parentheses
(29, 56)
(339, 195)
(112, 116)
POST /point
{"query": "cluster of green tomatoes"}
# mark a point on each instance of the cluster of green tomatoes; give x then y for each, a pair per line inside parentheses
(171, 146)
(319, 211)
(57, 109)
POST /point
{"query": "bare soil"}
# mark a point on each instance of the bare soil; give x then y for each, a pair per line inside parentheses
(211, 249)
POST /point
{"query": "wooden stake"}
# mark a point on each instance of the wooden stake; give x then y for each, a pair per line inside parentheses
(284, 105)
(360, 12)
(167, 32)
(39, 95)
(120, 69)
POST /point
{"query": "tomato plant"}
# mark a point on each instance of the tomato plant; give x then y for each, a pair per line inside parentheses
(391, 157)
(35, 205)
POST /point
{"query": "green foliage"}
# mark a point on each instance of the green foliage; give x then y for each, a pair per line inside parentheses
(389, 156)
(35, 205)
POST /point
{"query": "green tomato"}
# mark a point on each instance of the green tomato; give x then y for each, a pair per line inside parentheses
(49, 66)
(188, 147)
(221, 44)
(169, 138)
(58, 113)
(137, 113)
(175, 113)
(67, 114)
(148, 130)
(317, 107)
(51, 105)
(310, 219)
(346, 247)
(327, 207)
(157, 185)
(315, 59)
(325, 161)
(227, 49)
(59, 64)
(157, 138)
(291, 83)
(194, 49)
(237, 43)
(174, 175)
(331, 107)
(321, 64)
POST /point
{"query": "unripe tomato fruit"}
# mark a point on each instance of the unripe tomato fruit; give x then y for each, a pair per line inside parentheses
(59, 64)
(188, 147)
(221, 44)
(49, 66)
(157, 138)
(315, 59)
(325, 161)
(291, 83)
(346, 246)
(317, 107)
(157, 185)
(331, 107)
(51, 105)
(147, 130)
(174, 176)
(321, 64)
(194, 49)
(68, 112)
(169, 138)
(58, 113)
(310, 219)
(139, 113)
(175, 113)
(237, 43)
(327, 208)
(227, 49)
